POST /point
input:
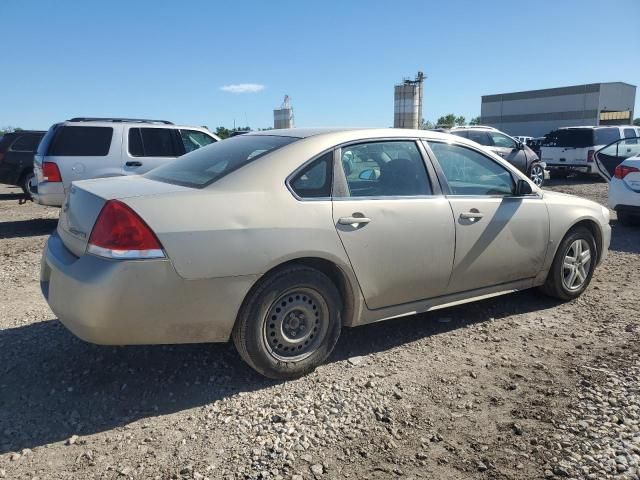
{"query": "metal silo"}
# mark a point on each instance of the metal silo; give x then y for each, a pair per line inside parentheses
(408, 103)
(283, 116)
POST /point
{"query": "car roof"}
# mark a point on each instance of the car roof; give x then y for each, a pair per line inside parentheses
(352, 132)
(597, 126)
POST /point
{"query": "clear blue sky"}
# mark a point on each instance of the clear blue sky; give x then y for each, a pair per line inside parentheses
(338, 60)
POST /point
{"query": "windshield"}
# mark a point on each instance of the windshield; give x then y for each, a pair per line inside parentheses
(574, 137)
(204, 166)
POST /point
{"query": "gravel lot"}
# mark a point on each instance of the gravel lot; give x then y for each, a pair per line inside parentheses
(518, 386)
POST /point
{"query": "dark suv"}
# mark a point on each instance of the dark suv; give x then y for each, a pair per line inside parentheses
(16, 157)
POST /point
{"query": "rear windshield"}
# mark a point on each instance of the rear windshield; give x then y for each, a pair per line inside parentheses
(204, 166)
(575, 137)
(81, 141)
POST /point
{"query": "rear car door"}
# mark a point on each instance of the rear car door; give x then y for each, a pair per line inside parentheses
(609, 157)
(500, 237)
(146, 148)
(507, 148)
(395, 225)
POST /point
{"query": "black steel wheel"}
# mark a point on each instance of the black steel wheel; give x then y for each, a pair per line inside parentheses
(289, 323)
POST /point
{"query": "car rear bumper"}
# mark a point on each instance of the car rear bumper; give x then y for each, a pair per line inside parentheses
(584, 168)
(115, 302)
(622, 196)
(48, 193)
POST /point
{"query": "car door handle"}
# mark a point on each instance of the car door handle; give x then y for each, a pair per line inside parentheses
(353, 220)
(133, 164)
(471, 215)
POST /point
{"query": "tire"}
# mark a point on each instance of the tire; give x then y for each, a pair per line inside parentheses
(536, 174)
(556, 284)
(626, 219)
(290, 323)
(25, 180)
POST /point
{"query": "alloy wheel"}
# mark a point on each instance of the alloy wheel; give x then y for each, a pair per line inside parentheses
(576, 265)
(537, 175)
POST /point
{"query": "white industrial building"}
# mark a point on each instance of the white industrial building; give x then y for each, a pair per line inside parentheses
(537, 112)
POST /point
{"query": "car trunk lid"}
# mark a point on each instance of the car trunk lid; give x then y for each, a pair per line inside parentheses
(86, 199)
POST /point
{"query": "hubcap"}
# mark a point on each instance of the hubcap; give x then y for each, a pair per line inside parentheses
(576, 265)
(295, 324)
(537, 175)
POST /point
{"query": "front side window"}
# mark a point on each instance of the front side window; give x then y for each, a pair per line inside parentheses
(501, 140)
(204, 166)
(152, 142)
(480, 137)
(630, 133)
(390, 169)
(75, 141)
(471, 173)
(193, 140)
(315, 180)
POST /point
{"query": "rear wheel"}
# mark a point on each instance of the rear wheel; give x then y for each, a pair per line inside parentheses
(290, 323)
(25, 181)
(536, 174)
(572, 266)
(625, 218)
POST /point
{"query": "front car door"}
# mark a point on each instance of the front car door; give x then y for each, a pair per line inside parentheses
(395, 225)
(500, 238)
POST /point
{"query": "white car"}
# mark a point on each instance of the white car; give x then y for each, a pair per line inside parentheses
(619, 164)
(571, 149)
(83, 148)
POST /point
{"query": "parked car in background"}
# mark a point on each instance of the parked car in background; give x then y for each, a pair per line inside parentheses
(523, 139)
(512, 150)
(534, 144)
(273, 239)
(571, 149)
(16, 157)
(84, 148)
(619, 164)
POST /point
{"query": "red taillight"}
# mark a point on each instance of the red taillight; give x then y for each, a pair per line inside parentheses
(624, 170)
(50, 172)
(590, 156)
(120, 233)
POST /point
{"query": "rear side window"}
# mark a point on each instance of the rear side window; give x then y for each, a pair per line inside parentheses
(81, 141)
(152, 142)
(630, 133)
(315, 180)
(605, 136)
(204, 166)
(459, 133)
(26, 143)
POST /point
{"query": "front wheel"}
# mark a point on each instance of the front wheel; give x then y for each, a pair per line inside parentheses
(290, 323)
(536, 174)
(573, 265)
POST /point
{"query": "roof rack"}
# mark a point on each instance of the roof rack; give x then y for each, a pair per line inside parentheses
(118, 120)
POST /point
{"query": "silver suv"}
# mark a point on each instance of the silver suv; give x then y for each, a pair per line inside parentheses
(513, 151)
(84, 148)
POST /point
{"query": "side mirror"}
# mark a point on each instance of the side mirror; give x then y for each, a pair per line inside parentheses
(523, 188)
(520, 146)
(368, 174)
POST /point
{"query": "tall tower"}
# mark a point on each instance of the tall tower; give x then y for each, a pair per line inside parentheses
(283, 116)
(408, 103)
